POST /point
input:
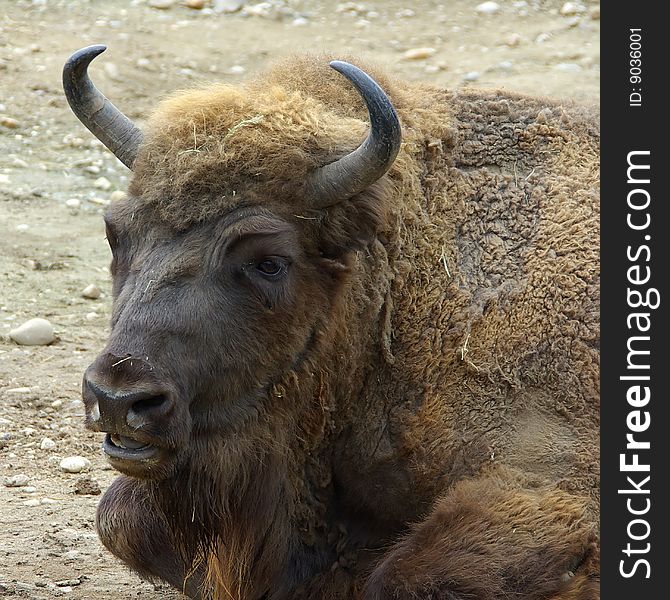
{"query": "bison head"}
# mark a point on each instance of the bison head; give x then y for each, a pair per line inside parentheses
(210, 315)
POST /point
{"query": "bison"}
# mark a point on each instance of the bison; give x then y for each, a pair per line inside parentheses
(342, 369)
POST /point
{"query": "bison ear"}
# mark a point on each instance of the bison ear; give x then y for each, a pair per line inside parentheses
(354, 224)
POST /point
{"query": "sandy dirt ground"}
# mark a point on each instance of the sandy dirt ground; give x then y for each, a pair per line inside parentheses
(55, 181)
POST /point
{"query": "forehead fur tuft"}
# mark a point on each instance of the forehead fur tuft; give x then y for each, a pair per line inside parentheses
(209, 148)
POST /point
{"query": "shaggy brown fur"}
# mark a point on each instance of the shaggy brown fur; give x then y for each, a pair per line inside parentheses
(427, 425)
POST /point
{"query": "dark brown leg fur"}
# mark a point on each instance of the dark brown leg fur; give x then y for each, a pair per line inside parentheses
(132, 529)
(486, 540)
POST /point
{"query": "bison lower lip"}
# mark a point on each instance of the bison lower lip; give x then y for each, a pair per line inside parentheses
(124, 448)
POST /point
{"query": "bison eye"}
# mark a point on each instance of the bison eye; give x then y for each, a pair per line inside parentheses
(272, 267)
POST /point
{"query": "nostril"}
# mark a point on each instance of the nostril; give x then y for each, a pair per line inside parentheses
(144, 410)
(148, 404)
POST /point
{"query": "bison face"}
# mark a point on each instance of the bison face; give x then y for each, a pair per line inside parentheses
(209, 318)
(205, 322)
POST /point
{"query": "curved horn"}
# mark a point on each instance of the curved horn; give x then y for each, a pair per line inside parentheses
(101, 117)
(358, 170)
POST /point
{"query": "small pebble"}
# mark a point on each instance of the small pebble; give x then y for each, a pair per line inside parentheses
(19, 390)
(56, 404)
(92, 292)
(73, 205)
(405, 13)
(111, 70)
(4, 178)
(47, 444)
(99, 201)
(91, 316)
(472, 76)
(16, 480)
(36, 332)
(227, 6)
(487, 8)
(29, 489)
(87, 486)
(162, 4)
(418, 53)
(47, 501)
(195, 4)
(102, 183)
(75, 464)
(23, 227)
(513, 40)
(568, 67)
(19, 162)
(9, 123)
(32, 502)
(570, 8)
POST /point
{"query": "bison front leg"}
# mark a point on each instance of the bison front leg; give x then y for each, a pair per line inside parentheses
(134, 530)
(488, 539)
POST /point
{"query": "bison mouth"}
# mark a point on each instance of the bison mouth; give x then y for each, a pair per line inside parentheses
(120, 447)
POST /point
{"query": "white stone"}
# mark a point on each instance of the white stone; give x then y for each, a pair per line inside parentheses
(472, 76)
(92, 292)
(47, 444)
(75, 464)
(102, 183)
(568, 67)
(23, 227)
(419, 53)
(19, 390)
(117, 195)
(35, 332)
(228, 6)
(162, 4)
(32, 502)
(19, 162)
(18, 480)
(487, 8)
(571, 8)
(73, 205)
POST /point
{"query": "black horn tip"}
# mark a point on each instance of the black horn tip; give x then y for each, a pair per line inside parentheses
(82, 58)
